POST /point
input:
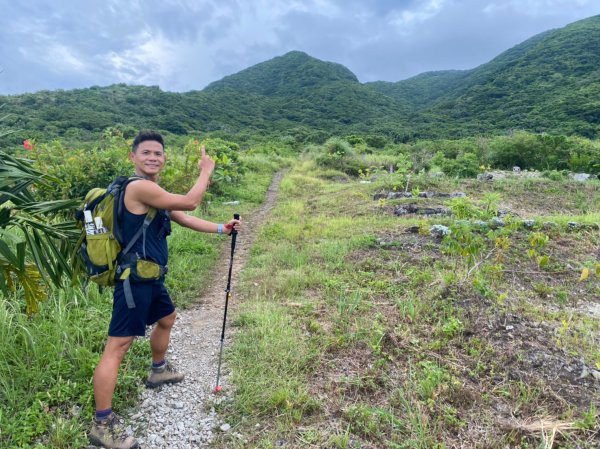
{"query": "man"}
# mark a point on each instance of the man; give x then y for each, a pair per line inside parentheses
(152, 303)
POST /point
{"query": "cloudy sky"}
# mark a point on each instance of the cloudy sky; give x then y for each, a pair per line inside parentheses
(182, 45)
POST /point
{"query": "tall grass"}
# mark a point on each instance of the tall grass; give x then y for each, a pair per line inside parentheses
(47, 360)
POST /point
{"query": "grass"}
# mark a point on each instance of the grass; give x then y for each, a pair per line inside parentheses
(48, 359)
(371, 336)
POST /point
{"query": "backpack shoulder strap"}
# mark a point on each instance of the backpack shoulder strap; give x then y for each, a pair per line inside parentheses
(118, 189)
(141, 231)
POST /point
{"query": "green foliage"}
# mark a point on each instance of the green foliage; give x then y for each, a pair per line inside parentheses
(181, 171)
(491, 201)
(49, 360)
(376, 141)
(546, 84)
(530, 151)
(430, 377)
(464, 242)
(553, 175)
(463, 208)
(338, 147)
(589, 420)
(464, 166)
(80, 170)
(36, 240)
(337, 154)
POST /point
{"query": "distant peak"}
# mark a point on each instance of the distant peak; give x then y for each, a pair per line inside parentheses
(283, 74)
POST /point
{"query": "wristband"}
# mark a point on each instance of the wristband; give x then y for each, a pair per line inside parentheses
(220, 228)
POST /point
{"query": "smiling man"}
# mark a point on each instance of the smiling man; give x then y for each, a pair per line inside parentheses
(139, 303)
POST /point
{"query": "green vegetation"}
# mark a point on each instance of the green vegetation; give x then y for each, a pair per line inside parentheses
(362, 324)
(546, 84)
(354, 332)
(36, 238)
(49, 356)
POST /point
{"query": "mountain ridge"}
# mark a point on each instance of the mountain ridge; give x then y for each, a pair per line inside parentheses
(548, 83)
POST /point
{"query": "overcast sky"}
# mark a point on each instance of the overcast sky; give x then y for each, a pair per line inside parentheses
(182, 45)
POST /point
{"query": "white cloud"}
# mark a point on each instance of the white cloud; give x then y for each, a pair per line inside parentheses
(61, 58)
(536, 8)
(186, 44)
(144, 63)
(406, 19)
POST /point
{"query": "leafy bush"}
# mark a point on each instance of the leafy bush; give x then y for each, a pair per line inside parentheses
(544, 152)
(554, 175)
(338, 146)
(464, 166)
(355, 140)
(181, 171)
(388, 162)
(80, 170)
(337, 154)
(463, 208)
(349, 164)
(376, 141)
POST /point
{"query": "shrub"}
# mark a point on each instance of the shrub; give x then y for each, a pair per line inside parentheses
(554, 175)
(337, 154)
(347, 164)
(80, 170)
(376, 141)
(338, 146)
(181, 171)
(464, 166)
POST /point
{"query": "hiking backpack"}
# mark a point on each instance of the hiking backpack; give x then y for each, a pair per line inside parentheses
(101, 241)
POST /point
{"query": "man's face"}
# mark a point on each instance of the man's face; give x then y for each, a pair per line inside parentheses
(149, 158)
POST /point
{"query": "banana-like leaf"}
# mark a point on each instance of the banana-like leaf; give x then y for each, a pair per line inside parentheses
(48, 207)
(21, 248)
(30, 232)
(7, 254)
(26, 224)
(33, 286)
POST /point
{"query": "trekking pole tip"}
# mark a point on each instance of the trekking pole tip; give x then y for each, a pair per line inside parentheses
(218, 389)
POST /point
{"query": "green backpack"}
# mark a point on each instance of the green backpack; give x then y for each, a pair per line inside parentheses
(101, 241)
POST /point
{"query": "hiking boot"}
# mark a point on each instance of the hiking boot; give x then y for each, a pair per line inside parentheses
(166, 374)
(111, 434)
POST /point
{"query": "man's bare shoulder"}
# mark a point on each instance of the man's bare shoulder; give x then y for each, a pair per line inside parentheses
(140, 185)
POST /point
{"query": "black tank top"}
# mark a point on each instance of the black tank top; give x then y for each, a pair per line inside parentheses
(156, 235)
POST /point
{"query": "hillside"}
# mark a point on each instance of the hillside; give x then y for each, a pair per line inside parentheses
(298, 90)
(360, 325)
(294, 90)
(422, 90)
(549, 83)
(284, 76)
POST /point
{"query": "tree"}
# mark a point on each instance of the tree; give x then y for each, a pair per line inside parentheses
(36, 237)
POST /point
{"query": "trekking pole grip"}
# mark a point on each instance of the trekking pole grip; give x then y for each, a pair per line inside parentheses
(233, 230)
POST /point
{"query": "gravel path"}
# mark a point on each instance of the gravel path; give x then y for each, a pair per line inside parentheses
(181, 416)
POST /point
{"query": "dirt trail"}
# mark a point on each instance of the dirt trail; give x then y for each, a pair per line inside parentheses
(179, 416)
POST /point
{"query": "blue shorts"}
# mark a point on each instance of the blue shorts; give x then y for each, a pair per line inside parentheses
(152, 302)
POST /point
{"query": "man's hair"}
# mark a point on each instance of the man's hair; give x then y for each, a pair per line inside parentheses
(147, 135)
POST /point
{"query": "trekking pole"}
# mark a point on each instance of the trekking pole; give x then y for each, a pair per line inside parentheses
(227, 294)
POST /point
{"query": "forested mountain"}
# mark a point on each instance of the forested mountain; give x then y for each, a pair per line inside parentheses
(549, 83)
(298, 90)
(422, 90)
(284, 76)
